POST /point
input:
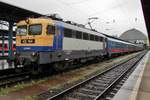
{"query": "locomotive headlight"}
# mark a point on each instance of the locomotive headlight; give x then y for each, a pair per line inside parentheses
(28, 21)
(33, 54)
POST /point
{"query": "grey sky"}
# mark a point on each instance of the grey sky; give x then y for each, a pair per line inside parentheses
(115, 16)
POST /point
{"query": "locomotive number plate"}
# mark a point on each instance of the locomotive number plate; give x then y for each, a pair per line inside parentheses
(28, 41)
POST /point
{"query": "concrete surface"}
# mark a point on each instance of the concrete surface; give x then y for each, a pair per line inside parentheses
(129, 91)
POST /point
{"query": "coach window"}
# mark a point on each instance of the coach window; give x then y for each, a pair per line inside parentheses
(67, 33)
(50, 29)
(35, 29)
(78, 35)
(14, 45)
(5, 45)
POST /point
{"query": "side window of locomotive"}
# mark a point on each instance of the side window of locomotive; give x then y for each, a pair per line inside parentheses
(67, 33)
(73, 34)
(50, 29)
(78, 35)
(96, 38)
(101, 39)
(92, 37)
(85, 36)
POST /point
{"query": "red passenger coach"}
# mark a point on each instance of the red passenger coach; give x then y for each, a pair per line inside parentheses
(4, 46)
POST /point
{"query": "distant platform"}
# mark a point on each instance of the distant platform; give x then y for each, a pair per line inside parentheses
(137, 86)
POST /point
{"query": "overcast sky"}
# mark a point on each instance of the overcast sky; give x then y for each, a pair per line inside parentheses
(115, 16)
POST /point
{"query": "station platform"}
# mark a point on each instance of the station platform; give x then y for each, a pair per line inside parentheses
(4, 65)
(137, 86)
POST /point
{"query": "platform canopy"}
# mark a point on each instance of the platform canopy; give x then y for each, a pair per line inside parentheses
(146, 11)
(9, 12)
(12, 13)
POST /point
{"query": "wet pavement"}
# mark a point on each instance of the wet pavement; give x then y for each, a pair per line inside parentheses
(131, 90)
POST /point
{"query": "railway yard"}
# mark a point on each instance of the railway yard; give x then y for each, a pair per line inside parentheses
(48, 57)
(93, 82)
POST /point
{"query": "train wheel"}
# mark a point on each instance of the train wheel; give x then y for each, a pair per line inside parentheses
(36, 69)
(60, 66)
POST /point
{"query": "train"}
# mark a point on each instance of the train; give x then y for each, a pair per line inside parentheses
(4, 46)
(48, 40)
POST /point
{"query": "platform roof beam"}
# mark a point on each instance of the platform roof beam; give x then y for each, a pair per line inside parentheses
(146, 11)
(12, 14)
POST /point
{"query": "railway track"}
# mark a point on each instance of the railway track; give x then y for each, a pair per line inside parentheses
(11, 79)
(99, 86)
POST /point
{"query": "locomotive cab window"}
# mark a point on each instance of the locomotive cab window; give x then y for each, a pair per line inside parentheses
(21, 30)
(50, 29)
(35, 29)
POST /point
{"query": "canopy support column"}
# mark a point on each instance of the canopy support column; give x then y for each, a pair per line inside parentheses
(10, 37)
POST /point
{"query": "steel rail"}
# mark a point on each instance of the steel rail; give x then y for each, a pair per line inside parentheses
(86, 81)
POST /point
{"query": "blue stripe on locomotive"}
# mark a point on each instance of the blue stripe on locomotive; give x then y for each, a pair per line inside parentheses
(58, 38)
(34, 48)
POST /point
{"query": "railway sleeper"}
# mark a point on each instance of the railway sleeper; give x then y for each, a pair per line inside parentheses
(89, 91)
(94, 88)
(102, 82)
(84, 96)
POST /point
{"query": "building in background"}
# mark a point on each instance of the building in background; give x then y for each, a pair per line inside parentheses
(135, 36)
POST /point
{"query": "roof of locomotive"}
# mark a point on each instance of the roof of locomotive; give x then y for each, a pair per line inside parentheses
(78, 28)
(75, 26)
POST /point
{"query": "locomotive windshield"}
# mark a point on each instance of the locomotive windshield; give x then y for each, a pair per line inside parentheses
(35, 29)
(21, 30)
